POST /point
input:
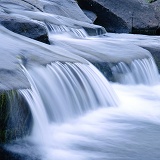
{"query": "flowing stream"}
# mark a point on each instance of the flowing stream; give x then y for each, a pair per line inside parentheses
(129, 131)
(79, 115)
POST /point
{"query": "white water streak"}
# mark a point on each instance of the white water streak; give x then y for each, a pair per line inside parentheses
(37, 108)
(78, 32)
(141, 71)
(63, 91)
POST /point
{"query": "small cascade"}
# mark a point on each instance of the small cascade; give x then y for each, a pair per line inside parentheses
(54, 29)
(140, 71)
(57, 28)
(81, 33)
(62, 91)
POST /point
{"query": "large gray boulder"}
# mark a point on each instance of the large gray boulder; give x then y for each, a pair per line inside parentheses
(21, 24)
(122, 15)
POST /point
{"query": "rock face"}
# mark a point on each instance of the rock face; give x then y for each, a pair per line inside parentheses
(124, 16)
(105, 17)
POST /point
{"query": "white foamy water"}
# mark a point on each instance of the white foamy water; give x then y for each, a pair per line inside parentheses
(63, 91)
(128, 132)
(87, 129)
(57, 29)
(140, 71)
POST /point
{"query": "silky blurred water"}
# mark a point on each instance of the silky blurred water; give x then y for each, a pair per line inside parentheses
(128, 132)
(104, 131)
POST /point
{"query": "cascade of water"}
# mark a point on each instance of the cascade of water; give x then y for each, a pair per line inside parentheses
(57, 28)
(68, 89)
(37, 108)
(80, 32)
(61, 91)
(142, 71)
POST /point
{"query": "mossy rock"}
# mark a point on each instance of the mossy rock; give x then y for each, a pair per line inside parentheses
(15, 116)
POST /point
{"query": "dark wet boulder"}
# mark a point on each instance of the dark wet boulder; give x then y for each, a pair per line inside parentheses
(15, 116)
(25, 27)
(123, 16)
(105, 17)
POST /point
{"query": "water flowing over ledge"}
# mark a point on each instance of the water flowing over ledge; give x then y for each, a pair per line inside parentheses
(66, 49)
(63, 91)
(142, 71)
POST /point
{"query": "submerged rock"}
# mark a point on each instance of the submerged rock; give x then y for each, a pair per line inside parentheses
(105, 69)
(25, 27)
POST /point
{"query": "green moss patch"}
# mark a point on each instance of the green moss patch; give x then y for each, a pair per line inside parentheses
(15, 116)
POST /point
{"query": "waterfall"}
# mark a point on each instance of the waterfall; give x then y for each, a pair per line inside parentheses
(62, 91)
(57, 29)
(140, 71)
(76, 113)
